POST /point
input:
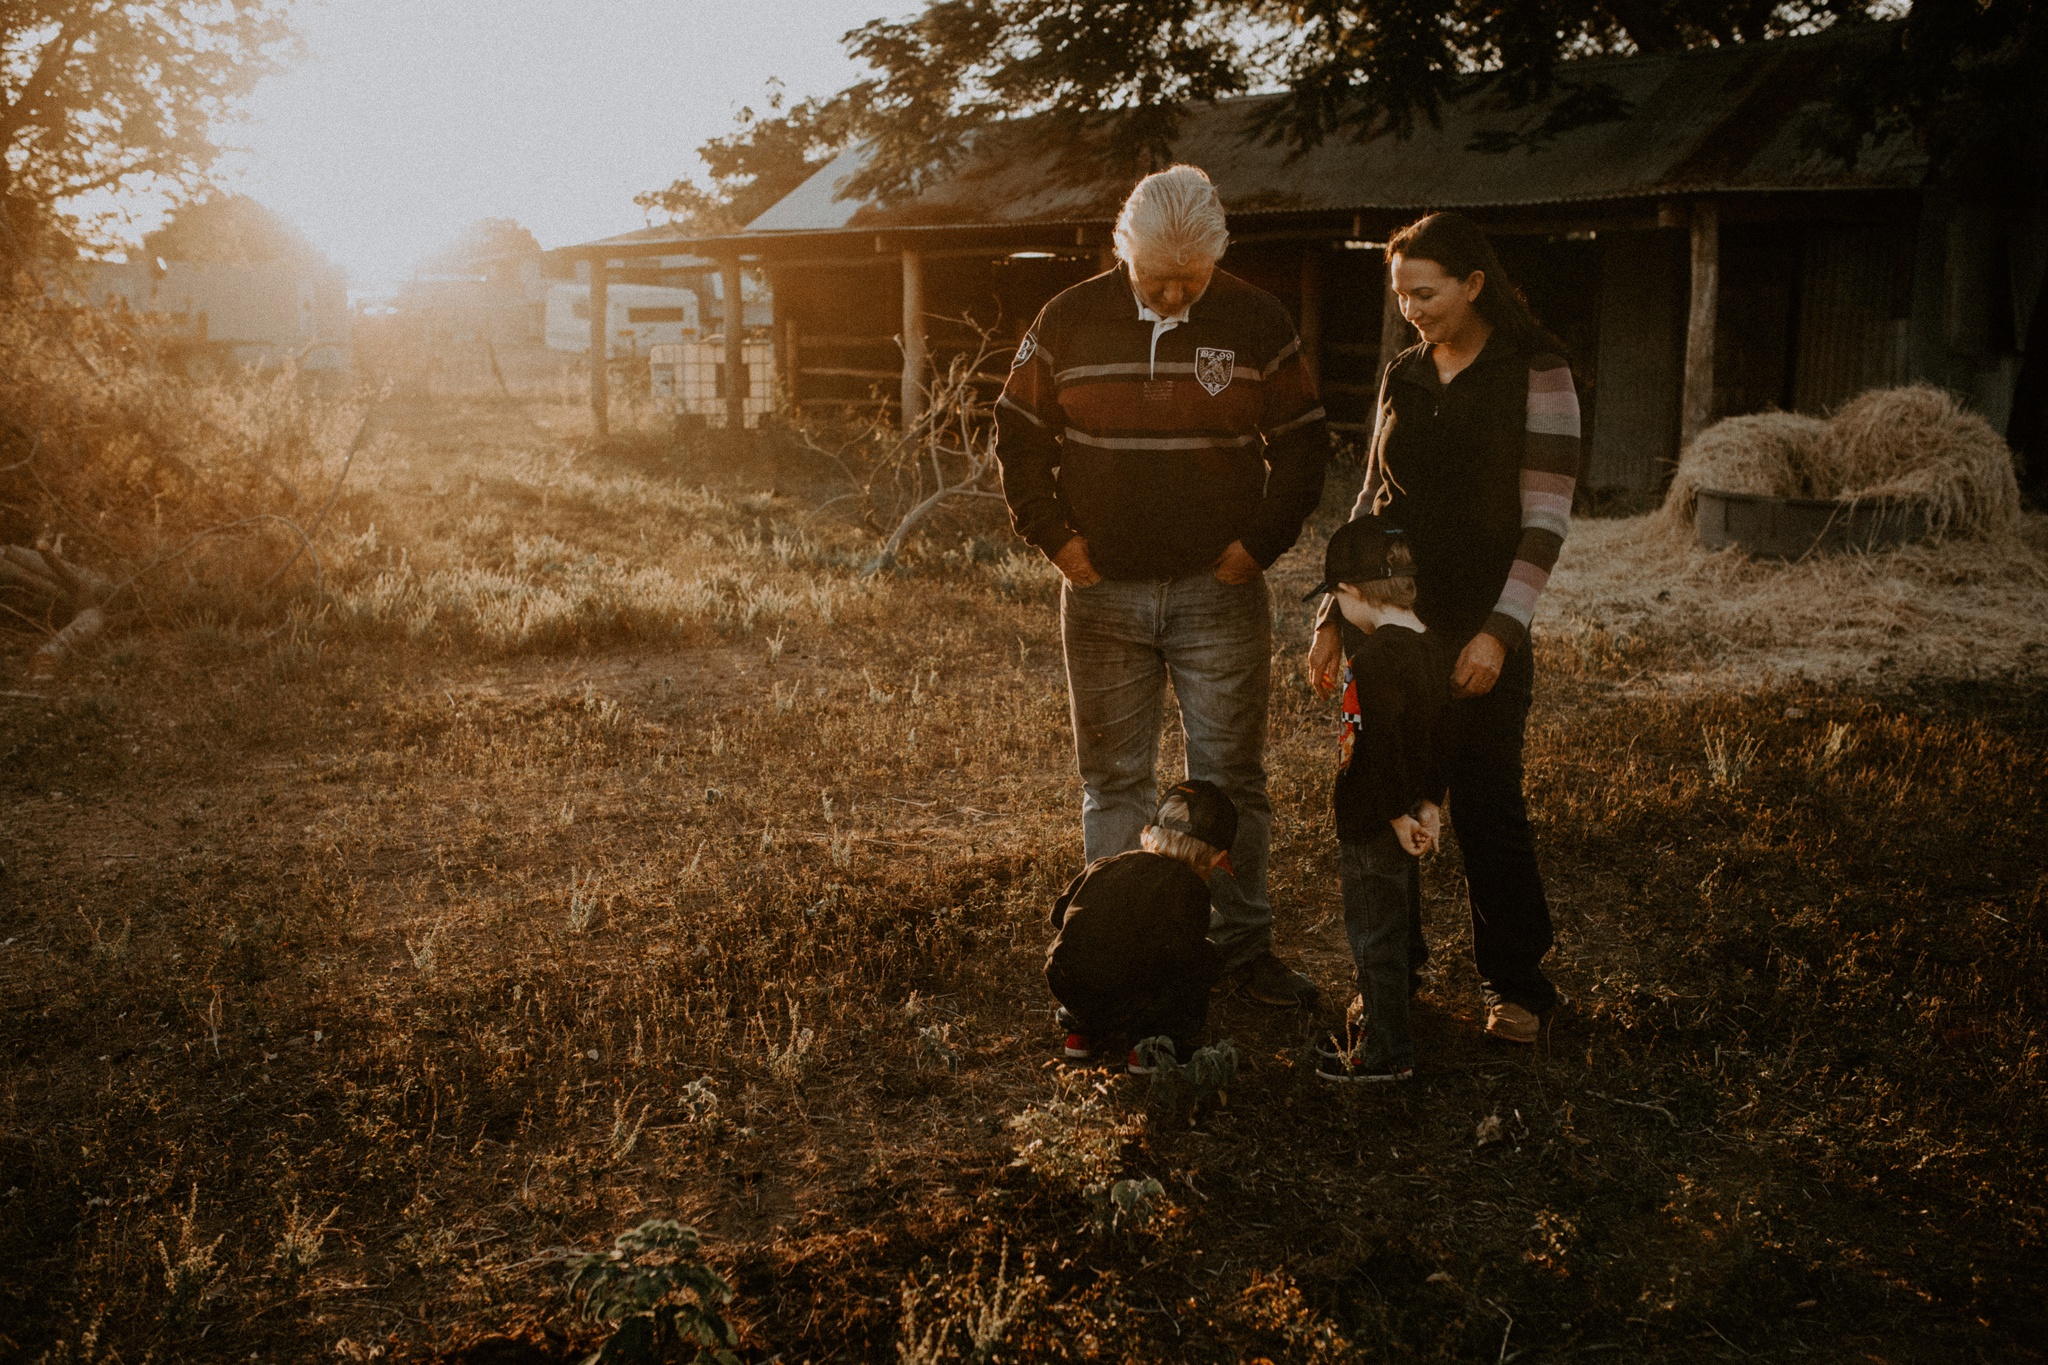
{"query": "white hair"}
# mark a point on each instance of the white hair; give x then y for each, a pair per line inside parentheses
(1174, 843)
(1172, 218)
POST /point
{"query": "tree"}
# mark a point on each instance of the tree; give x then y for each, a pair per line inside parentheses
(1967, 78)
(1110, 80)
(487, 244)
(230, 229)
(1107, 80)
(763, 159)
(97, 95)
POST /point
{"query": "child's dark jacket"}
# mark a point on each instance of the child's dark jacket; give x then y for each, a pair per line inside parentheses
(1399, 681)
(1133, 951)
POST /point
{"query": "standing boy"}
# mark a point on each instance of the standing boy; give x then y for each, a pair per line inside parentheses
(1389, 792)
(1133, 959)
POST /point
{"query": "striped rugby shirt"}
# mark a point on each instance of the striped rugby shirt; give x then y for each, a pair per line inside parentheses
(1480, 472)
(1161, 441)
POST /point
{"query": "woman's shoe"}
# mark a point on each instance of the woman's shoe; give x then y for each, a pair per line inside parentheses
(1512, 1024)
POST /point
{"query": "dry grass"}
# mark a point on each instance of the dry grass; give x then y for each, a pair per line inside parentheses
(1668, 613)
(1912, 444)
(354, 968)
(191, 494)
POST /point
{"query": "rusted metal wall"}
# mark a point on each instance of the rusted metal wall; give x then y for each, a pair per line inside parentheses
(1854, 297)
(1756, 325)
(1639, 360)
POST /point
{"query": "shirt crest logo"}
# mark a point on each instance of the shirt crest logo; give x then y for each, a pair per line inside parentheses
(1213, 368)
(1026, 348)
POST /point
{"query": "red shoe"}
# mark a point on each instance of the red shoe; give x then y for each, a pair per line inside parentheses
(1136, 1067)
(1078, 1047)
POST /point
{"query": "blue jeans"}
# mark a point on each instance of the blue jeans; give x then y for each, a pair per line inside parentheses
(1124, 639)
(1382, 885)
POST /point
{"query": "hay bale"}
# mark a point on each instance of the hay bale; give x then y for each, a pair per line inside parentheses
(1768, 453)
(1914, 444)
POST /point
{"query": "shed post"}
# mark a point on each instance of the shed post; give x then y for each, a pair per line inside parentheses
(1697, 407)
(600, 348)
(735, 324)
(913, 338)
(1312, 311)
(792, 366)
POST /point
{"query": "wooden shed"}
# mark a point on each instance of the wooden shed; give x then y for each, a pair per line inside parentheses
(1702, 254)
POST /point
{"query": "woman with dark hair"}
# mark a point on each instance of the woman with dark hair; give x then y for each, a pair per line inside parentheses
(1475, 453)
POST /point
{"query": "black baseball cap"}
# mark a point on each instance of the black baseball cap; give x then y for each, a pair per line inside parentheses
(1211, 816)
(1360, 552)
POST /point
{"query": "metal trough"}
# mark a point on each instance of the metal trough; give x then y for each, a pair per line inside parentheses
(1791, 528)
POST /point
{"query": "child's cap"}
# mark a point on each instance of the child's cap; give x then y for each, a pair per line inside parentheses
(1360, 553)
(1211, 816)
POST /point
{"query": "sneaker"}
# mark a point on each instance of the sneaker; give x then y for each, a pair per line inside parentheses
(1078, 1048)
(1136, 1067)
(1512, 1024)
(1347, 1066)
(1270, 981)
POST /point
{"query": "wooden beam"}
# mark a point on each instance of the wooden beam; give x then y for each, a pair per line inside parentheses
(913, 338)
(1312, 313)
(792, 367)
(735, 324)
(600, 350)
(1697, 407)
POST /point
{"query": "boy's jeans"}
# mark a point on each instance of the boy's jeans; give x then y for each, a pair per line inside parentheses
(1124, 639)
(1382, 903)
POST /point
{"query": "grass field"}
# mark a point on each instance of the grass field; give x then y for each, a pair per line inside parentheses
(607, 848)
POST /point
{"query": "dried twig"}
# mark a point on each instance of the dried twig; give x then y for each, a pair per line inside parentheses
(955, 411)
(306, 536)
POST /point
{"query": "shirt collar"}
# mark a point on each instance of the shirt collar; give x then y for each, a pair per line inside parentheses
(1146, 314)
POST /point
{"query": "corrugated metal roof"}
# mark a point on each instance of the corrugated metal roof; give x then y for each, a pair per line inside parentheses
(1725, 119)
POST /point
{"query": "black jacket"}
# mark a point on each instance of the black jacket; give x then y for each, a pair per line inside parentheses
(1133, 951)
(1399, 681)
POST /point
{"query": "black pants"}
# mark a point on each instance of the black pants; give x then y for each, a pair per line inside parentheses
(1480, 743)
(1178, 1015)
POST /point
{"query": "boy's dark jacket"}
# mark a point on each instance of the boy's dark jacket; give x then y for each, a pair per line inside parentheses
(1133, 941)
(1399, 682)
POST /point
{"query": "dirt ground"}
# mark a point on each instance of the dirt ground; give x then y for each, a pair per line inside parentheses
(609, 848)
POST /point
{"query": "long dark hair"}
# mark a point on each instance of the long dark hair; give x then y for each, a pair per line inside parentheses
(1456, 244)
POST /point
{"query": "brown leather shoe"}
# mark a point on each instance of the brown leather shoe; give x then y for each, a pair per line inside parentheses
(1512, 1024)
(1270, 981)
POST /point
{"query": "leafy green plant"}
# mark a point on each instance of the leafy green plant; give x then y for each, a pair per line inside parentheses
(1132, 1204)
(1182, 1087)
(1074, 1142)
(662, 1302)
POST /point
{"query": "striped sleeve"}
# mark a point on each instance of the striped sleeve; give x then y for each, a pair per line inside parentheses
(1028, 420)
(1550, 471)
(1297, 453)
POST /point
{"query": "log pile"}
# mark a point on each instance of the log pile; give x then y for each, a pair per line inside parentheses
(64, 591)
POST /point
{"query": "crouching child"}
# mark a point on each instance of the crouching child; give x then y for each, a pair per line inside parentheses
(1388, 793)
(1132, 959)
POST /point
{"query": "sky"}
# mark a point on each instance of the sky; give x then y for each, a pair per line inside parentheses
(410, 119)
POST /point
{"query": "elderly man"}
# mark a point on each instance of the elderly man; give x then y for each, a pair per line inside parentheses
(1161, 443)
